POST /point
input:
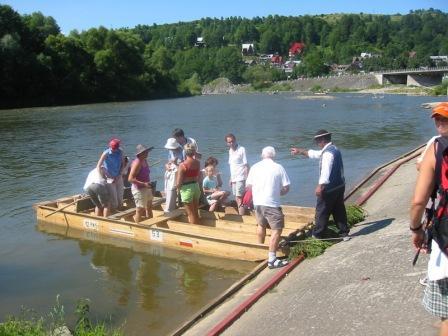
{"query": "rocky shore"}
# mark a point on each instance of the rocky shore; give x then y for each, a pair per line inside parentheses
(362, 83)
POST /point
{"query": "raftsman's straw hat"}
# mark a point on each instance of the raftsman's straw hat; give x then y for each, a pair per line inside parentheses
(321, 133)
(172, 143)
(441, 110)
(140, 149)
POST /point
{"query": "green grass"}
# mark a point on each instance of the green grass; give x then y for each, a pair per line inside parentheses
(281, 87)
(316, 88)
(29, 324)
(339, 89)
(441, 90)
(311, 247)
(355, 214)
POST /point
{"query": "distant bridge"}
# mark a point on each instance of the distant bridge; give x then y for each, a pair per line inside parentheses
(412, 77)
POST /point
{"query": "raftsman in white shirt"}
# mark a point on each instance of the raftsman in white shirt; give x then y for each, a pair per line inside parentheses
(94, 177)
(326, 163)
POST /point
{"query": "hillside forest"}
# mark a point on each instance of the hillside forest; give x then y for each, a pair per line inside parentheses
(41, 66)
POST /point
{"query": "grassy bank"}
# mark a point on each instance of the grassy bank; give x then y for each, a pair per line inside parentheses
(311, 247)
(55, 323)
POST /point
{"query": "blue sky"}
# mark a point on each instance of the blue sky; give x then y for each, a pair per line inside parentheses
(85, 14)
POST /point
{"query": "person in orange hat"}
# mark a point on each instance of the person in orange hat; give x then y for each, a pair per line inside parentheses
(110, 165)
(429, 179)
(436, 107)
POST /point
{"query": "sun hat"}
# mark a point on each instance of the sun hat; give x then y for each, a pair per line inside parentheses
(140, 149)
(441, 109)
(114, 144)
(172, 143)
(321, 133)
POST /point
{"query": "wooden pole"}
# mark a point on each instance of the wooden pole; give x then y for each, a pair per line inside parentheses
(66, 206)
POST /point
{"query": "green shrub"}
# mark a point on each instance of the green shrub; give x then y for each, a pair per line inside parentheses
(23, 325)
(316, 88)
(27, 324)
(441, 90)
(281, 87)
(355, 214)
(191, 86)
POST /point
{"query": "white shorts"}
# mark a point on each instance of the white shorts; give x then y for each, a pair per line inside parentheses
(142, 197)
(238, 188)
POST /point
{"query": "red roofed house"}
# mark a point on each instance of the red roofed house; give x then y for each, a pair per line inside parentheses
(296, 48)
(276, 59)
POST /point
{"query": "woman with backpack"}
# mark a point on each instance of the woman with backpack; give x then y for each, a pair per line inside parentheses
(434, 174)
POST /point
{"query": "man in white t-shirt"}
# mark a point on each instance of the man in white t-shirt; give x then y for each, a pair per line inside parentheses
(269, 181)
(238, 170)
(95, 187)
(182, 140)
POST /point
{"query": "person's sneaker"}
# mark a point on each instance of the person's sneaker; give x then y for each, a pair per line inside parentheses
(277, 263)
(345, 236)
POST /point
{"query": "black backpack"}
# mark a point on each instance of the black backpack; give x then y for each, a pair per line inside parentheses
(440, 221)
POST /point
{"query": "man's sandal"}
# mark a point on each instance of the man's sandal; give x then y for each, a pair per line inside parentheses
(277, 263)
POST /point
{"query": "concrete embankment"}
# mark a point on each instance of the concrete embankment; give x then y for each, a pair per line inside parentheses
(366, 286)
(349, 82)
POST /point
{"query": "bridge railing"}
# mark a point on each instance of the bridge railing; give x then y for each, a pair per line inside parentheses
(420, 70)
(382, 72)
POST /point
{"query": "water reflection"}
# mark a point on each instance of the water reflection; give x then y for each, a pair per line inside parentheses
(115, 262)
(148, 282)
(191, 278)
(159, 281)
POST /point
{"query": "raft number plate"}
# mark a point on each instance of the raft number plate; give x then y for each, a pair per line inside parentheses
(156, 235)
(91, 224)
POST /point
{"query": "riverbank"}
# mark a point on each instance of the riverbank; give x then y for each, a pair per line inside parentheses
(366, 286)
(362, 83)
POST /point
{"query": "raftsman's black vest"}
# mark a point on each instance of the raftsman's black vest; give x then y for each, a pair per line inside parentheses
(337, 179)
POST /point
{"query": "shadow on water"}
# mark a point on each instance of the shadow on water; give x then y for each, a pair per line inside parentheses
(371, 227)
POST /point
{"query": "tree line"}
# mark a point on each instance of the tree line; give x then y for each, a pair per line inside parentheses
(42, 66)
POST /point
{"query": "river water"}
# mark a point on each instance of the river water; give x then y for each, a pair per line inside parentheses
(46, 153)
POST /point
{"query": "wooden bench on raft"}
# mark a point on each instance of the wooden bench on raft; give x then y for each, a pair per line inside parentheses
(127, 212)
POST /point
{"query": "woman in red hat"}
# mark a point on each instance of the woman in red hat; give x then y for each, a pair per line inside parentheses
(110, 164)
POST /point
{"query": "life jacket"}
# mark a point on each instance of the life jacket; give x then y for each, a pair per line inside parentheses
(247, 201)
(440, 221)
